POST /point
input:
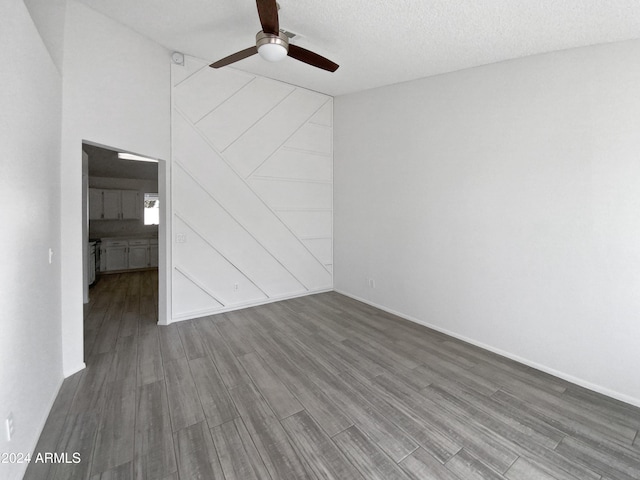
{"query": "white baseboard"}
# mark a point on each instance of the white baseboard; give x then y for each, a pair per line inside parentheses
(204, 313)
(543, 368)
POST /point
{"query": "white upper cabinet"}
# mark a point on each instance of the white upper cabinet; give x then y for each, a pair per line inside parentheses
(130, 205)
(114, 204)
(95, 204)
(111, 205)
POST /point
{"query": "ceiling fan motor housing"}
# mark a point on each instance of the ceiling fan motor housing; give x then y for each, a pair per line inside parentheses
(272, 47)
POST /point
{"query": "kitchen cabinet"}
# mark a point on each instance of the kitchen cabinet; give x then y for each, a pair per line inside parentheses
(107, 204)
(91, 267)
(115, 255)
(128, 254)
(111, 205)
(153, 252)
(130, 205)
(138, 253)
(95, 204)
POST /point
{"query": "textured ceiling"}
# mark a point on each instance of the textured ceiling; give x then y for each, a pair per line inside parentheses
(380, 43)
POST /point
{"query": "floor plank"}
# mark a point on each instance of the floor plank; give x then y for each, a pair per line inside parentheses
(228, 365)
(196, 454)
(238, 339)
(427, 435)
(116, 430)
(78, 437)
(513, 425)
(468, 467)
(321, 407)
(185, 408)
(277, 395)
(152, 403)
(125, 358)
(523, 470)
(393, 440)
(108, 333)
(387, 435)
(609, 464)
(170, 343)
(460, 430)
(238, 455)
(216, 402)
(150, 367)
(367, 457)
(268, 435)
(420, 465)
(317, 449)
(191, 340)
(130, 315)
(155, 455)
(121, 472)
(89, 395)
(47, 443)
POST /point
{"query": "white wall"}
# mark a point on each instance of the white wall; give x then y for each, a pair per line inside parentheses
(30, 339)
(48, 17)
(252, 190)
(116, 93)
(501, 204)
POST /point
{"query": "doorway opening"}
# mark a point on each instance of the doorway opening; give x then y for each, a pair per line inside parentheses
(123, 230)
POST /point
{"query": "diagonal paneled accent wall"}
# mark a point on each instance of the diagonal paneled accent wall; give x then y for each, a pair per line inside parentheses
(252, 189)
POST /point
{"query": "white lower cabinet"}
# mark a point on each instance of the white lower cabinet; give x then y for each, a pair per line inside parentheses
(128, 254)
(153, 253)
(116, 256)
(91, 267)
(138, 253)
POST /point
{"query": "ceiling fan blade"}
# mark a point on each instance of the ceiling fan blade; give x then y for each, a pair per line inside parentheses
(307, 56)
(247, 52)
(268, 13)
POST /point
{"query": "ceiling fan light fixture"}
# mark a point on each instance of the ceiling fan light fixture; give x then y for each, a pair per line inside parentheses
(272, 44)
(272, 52)
(271, 47)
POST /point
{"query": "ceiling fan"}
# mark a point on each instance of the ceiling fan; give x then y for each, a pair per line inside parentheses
(272, 45)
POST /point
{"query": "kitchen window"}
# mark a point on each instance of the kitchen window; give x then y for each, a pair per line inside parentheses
(151, 209)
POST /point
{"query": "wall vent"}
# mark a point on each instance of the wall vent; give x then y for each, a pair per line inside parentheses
(288, 33)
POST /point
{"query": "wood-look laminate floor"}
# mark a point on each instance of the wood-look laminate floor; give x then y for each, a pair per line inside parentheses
(320, 387)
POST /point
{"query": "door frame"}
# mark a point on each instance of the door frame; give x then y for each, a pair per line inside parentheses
(164, 233)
